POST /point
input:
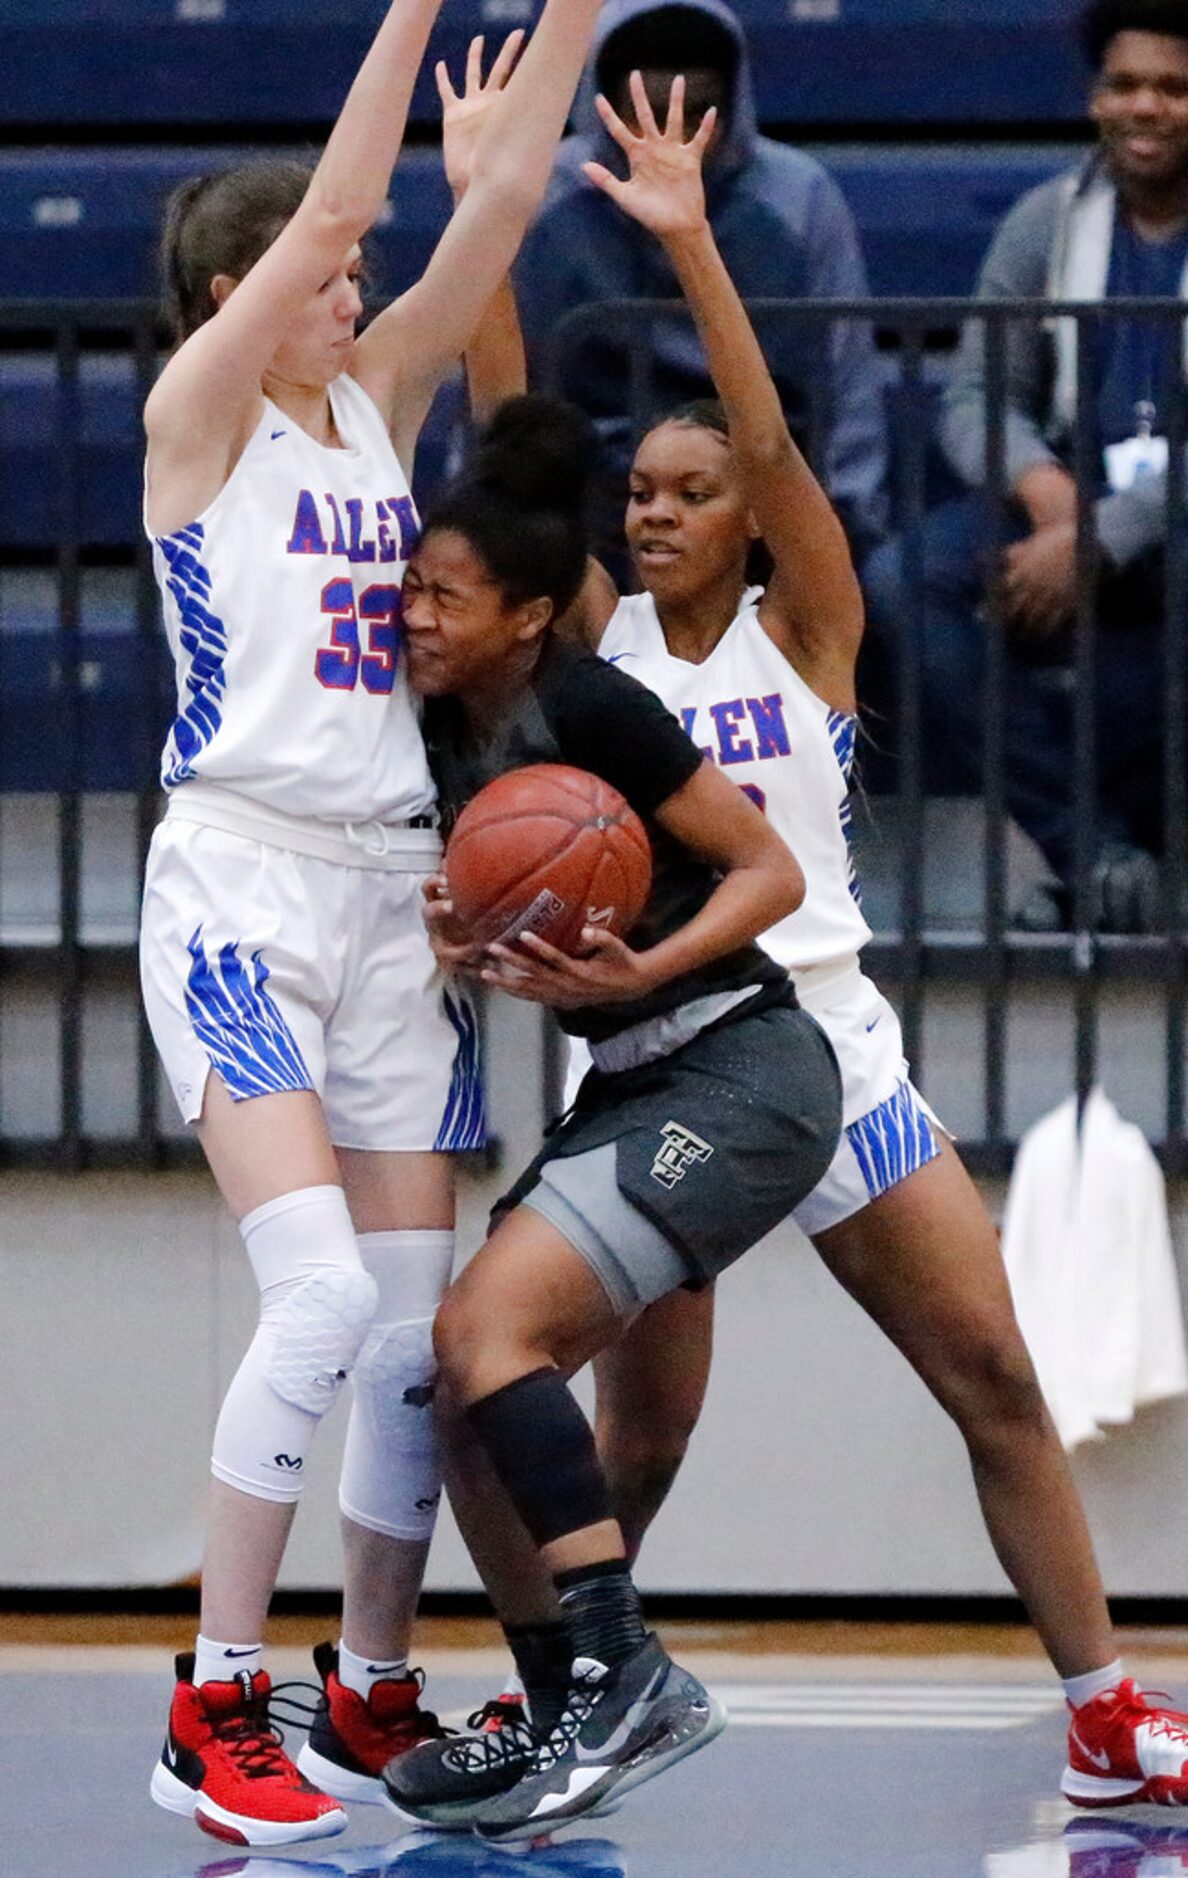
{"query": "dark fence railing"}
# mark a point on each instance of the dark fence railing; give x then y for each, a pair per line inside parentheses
(85, 696)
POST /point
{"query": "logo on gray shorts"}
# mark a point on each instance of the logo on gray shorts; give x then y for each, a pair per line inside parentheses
(680, 1149)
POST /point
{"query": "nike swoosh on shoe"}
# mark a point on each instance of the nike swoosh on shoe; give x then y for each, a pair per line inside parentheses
(1099, 1757)
(619, 1736)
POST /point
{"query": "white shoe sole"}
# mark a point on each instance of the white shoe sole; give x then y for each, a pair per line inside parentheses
(339, 1782)
(1096, 1790)
(632, 1776)
(234, 1828)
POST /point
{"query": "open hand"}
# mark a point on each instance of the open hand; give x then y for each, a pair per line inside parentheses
(462, 117)
(610, 972)
(664, 191)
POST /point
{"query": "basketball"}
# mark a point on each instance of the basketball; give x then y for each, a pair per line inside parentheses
(547, 849)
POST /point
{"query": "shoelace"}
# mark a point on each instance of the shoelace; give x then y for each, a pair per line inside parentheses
(254, 1743)
(514, 1739)
(583, 1698)
(1162, 1720)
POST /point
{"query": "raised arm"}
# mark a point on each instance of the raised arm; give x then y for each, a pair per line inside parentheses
(407, 351)
(208, 397)
(496, 368)
(813, 607)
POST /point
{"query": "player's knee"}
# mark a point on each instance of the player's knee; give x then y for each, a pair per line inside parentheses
(996, 1396)
(477, 1347)
(391, 1477)
(315, 1335)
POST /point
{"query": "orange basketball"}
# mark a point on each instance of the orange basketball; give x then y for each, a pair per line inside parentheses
(548, 849)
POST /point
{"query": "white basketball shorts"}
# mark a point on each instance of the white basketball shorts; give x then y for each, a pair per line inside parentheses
(888, 1130)
(285, 971)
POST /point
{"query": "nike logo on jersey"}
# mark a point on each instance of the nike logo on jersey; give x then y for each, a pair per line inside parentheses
(871, 1025)
(1099, 1757)
(276, 434)
(616, 656)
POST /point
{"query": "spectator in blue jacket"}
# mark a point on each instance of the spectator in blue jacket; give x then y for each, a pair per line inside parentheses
(782, 226)
(1116, 227)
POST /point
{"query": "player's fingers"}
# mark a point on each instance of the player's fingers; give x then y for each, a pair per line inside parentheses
(704, 131)
(610, 185)
(614, 123)
(445, 89)
(598, 939)
(541, 949)
(674, 123)
(508, 51)
(474, 65)
(645, 117)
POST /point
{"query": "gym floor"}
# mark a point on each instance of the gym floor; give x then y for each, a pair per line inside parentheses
(854, 1751)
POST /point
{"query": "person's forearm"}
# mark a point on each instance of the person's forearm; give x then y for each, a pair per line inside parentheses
(733, 353)
(496, 368)
(351, 179)
(517, 144)
(745, 904)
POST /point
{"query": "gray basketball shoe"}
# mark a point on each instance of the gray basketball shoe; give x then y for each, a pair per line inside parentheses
(620, 1727)
(449, 1784)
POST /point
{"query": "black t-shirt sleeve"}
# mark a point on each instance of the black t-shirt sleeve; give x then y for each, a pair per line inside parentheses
(607, 722)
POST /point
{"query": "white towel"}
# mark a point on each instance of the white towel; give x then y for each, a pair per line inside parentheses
(1088, 1253)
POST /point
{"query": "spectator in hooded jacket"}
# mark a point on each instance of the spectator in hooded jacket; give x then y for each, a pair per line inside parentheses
(784, 231)
(1115, 227)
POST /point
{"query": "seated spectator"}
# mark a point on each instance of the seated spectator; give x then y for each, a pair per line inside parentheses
(1115, 227)
(784, 231)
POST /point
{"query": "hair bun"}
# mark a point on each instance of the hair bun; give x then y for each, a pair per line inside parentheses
(537, 453)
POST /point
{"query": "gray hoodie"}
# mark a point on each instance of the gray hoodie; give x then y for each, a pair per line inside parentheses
(784, 231)
(1054, 244)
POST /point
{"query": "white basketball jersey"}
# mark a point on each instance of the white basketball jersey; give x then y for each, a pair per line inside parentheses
(750, 711)
(282, 607)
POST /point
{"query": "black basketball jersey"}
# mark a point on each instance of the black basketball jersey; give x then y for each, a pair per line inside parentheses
(575, 708)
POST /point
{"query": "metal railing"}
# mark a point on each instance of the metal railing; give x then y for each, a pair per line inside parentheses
(72, 963)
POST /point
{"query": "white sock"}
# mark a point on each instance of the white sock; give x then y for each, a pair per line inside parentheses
(222, 1662)
(1082, 1689)
(361, 1674)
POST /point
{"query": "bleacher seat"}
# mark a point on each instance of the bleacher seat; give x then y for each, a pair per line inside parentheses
(85, 223)
(964, 62)
(170, 62)
(181, 62)
(926, 216)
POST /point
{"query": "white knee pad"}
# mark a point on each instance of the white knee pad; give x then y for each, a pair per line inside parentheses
(316, 1306)
(391, 1470)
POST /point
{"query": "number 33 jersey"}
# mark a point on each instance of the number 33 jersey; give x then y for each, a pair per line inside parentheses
(282, 609)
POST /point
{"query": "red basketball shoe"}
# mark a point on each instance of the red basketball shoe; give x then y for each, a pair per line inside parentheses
(351, 1740)
(224, 1767)
(1121, 1750)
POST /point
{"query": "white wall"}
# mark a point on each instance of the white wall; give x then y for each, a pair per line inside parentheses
(820, 1465)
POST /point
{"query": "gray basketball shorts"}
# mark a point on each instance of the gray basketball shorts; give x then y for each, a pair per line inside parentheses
(665, 1174)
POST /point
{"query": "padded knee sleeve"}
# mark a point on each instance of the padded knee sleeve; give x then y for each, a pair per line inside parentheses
(316, 1306)
(391, 1470)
